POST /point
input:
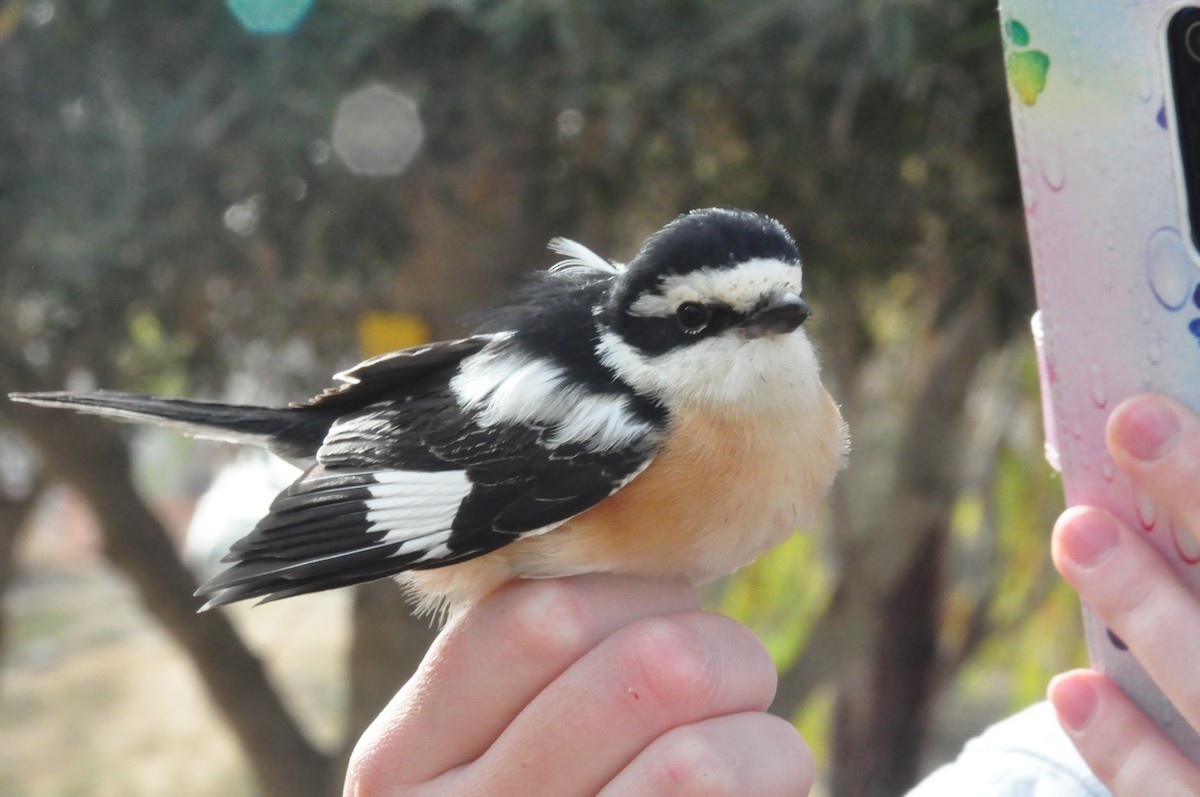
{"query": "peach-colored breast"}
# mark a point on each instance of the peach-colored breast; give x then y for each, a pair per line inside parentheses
(718, 494)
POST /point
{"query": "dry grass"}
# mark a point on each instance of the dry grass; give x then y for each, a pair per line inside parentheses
(96, 700)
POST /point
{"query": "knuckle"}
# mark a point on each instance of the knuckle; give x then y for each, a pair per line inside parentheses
(691, 763)
(667, 662)
(1186, 695)
(546, 618)
(1188, 513)
(1142, 606)
(369, 775)
(1177, 788)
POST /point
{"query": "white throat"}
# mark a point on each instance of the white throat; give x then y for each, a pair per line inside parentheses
(725, 373)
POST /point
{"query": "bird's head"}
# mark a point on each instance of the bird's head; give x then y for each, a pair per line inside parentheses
(709, 313)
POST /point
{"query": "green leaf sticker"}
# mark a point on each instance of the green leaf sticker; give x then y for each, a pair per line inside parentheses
(1027, 69)
(1018, 34)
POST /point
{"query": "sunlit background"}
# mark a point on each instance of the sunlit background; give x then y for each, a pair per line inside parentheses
(234, 200)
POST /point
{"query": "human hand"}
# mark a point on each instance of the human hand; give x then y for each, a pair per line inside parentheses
(1131, 589)
(590, 685)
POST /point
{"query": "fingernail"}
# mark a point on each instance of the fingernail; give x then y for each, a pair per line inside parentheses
(1075, 701)
(1147, 428)
(1089, 538)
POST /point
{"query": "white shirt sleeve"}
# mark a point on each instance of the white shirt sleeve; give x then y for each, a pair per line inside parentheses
(1026, 755)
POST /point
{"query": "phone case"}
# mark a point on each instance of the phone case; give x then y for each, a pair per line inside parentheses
(1115, 268)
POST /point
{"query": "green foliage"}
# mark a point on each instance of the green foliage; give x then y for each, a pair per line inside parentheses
(152, 360)
(815, 723)
(1032, 615)
(1035, 613)
(781, 595)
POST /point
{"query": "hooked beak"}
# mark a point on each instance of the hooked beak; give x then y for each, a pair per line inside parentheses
(782, 314)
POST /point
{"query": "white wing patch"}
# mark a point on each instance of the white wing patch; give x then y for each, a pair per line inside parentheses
(536, 390)
(601, 421)
(416, 509)
(509, 388)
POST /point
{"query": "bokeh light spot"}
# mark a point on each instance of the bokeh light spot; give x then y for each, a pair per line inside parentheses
(242, 217)
(570, 124)
(318, 151)
(269, 16)
(40, 12)
(377, 131)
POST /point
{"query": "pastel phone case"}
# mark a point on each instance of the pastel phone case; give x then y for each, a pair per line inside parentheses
(1115, 266)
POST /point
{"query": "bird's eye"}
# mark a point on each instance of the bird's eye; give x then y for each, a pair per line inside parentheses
(693, 317)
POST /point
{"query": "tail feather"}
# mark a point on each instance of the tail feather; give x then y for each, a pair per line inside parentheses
(291, 433)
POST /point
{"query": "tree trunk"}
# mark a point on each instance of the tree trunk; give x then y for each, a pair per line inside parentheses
(13, 514)
(388, 644)
(882, 713)
(90, 457)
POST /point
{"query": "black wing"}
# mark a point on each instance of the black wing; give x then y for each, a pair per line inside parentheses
(397, 375)
(415, 485)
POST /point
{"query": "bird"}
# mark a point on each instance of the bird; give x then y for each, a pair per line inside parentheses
(663, 418)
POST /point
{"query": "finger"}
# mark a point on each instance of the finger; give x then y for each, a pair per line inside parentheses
(1157, 441)
(747, 755)
(1119, 743)
(646, 679)
(489, 663)
(1136, 594)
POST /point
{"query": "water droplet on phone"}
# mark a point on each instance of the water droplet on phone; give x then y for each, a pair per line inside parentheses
(1107, 469)
(1028, 188)
(1145, 89)
(1099, 389)
(1167, 713)
(1168, 268)
(1186, 543)
(1107, 278)
(1146, 511)
(1052, 167)
(1076, 425)
(1074, 64)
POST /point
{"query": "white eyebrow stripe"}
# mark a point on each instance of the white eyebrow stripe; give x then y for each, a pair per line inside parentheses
(740, 287)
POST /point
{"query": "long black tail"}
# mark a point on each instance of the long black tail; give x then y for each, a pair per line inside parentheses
(292, 433)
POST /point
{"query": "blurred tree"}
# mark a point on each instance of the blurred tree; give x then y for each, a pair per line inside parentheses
(172, 207)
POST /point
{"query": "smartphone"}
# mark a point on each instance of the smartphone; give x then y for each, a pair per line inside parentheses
(1105, 102)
